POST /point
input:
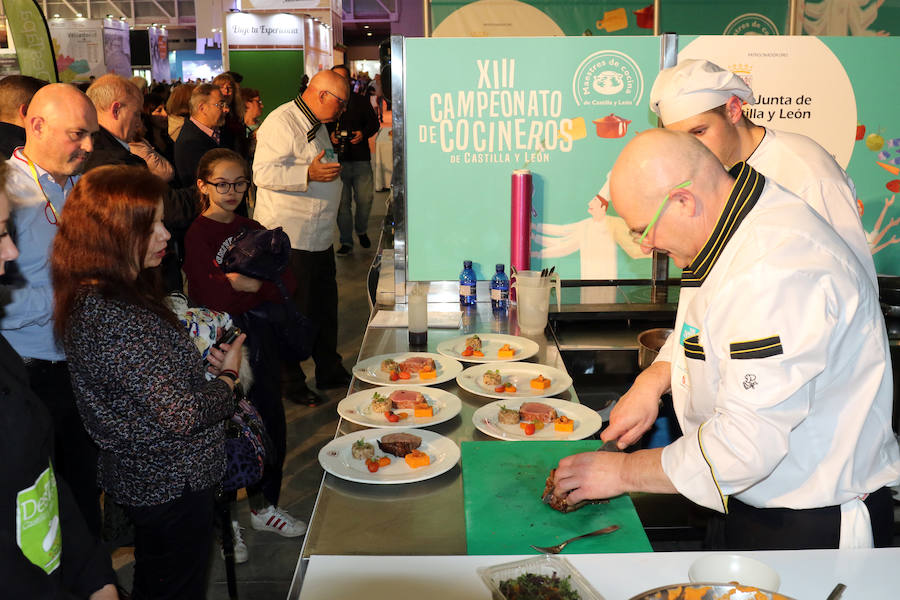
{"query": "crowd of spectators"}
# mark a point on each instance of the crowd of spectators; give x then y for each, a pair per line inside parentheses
(110, 187)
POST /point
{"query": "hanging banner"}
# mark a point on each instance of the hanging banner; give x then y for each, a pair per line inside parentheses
(748, 17)
(79, 49)
(825, 88)
(116, 47)
(562, 108)
(159, 54)
(853, 18)
(31, 38)
(505, 18)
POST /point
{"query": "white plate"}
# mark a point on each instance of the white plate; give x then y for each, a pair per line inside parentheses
(337, 458)
(519, 374)
(354, 407)
(369, 370)
(587, 421)
(490, 343)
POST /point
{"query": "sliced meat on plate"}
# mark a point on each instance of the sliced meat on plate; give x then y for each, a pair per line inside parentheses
(537, 411)
(406, 398)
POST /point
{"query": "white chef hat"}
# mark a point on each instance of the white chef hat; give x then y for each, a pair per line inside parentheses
(693, 86)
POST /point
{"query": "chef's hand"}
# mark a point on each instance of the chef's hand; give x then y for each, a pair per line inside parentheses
(357, 137)
(636, 411)
(597, 475)
(242, 283)
(590, 476)
(322, 171)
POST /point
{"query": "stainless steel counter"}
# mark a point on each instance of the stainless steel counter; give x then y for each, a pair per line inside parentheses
(424, 518)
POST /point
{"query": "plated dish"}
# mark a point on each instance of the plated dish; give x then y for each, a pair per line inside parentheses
(364, 408)
(488, 347)
(518, 380)
(431, 454)
(496, 420)
(407, 368)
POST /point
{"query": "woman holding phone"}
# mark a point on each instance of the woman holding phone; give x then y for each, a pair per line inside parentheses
(138, 378)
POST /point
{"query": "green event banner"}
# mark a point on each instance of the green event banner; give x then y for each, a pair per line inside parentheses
(561, 107)
(497, 18)
(31, 38)
(756, 17)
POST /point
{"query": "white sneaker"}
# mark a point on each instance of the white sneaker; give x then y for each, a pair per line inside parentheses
(277, 520)
(240, 548)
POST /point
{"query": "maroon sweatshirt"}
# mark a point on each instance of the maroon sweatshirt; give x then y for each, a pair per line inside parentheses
(205, 245)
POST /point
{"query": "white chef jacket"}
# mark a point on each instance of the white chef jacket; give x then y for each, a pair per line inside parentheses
(804, 168)
(285, 147)
(781, 377)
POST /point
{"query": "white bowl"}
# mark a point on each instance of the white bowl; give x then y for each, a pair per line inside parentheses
(725, 568)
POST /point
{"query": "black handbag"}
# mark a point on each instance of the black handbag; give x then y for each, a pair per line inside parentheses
(264, 254)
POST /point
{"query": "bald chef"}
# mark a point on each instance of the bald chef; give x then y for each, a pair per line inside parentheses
(780, 374)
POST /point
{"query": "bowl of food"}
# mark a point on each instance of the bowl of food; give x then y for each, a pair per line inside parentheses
(537, 578)
(734, 568)
(708, 591)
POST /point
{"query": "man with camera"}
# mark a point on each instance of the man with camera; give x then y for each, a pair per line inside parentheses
(350, 137)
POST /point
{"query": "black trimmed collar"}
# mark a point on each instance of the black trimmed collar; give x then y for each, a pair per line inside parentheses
(308, 113)
(748, 185)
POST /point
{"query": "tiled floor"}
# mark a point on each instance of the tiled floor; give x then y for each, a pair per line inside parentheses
(268, 573)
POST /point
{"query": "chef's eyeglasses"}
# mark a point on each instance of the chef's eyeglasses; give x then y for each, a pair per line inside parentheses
(640, 236)
(223, 186)
(340, 100)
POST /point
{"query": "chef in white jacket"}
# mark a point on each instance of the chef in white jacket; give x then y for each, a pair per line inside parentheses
(704, 100)
(780, 376)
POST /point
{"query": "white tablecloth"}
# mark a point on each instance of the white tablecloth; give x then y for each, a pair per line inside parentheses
(805, 574)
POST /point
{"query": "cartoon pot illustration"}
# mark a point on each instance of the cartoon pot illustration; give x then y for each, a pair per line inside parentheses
(611, 126)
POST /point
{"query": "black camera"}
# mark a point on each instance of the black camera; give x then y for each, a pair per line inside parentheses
(343, 136)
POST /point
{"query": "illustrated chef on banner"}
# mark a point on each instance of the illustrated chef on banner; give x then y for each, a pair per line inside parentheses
(595, 239)
(780, 377)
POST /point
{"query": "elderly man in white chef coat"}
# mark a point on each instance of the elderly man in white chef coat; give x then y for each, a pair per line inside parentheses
(780, 373)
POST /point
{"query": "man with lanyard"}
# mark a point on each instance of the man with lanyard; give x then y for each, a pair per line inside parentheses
(59, 127)
(782, 380)
(299, 189)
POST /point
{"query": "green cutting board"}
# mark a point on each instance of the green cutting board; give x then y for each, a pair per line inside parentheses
(502, 485)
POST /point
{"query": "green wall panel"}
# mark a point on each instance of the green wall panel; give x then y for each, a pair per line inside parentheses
(275, 73)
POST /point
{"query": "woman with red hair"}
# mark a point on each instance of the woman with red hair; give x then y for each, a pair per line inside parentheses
(138, 378)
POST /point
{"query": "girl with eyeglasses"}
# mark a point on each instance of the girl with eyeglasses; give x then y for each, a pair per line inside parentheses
(223, 178)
